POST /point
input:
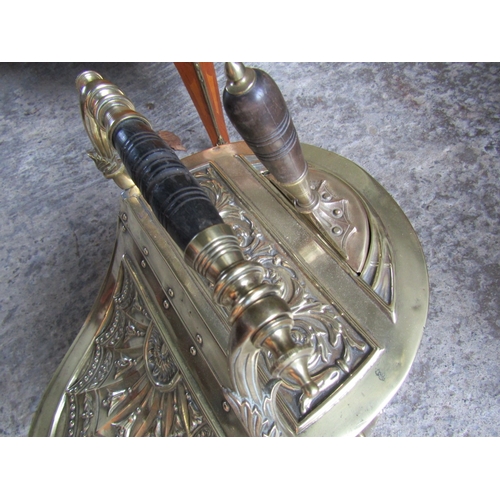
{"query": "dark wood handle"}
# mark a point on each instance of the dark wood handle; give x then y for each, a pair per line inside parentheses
(261, 117)
(178, 201)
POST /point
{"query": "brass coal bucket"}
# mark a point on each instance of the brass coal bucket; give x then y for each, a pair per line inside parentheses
(259, 288)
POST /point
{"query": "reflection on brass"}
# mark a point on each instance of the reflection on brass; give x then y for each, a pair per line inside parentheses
(261, 320)
(338, 215)
(275, 323)
(240, 78)
(131, 384)
(104, 103)
(92, 87)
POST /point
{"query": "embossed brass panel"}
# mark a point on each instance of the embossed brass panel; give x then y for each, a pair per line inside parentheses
(154, 357)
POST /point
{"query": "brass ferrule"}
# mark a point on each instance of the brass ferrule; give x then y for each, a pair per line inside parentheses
(305, 199)
(213, 251)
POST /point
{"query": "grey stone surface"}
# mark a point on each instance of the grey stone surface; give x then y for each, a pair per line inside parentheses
(429, 133)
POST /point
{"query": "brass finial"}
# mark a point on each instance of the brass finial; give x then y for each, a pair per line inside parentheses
(240, 79)
(235, 71)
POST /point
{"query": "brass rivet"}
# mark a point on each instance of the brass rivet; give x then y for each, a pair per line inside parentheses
(170, 292)
(192, 350)
(166, 304)
(143, 263)
(226, 407)
(337, 230)
(199, 339)
(145, 251)
(124, 217)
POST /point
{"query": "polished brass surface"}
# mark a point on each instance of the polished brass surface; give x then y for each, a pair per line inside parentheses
(92, 87)
(104, 103)
(258, 315)
(240, 79)
(260, 319)
(213, 253)
(305, 199)
(299, 315)
(129, 373)
(136, 349)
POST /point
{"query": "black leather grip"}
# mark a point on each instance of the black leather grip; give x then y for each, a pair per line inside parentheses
(261, 117)
(180, 204)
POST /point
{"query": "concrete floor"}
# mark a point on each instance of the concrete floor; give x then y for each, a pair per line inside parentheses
(429, 133)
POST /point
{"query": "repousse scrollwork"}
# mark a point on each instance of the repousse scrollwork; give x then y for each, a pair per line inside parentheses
(337, 348)
(131, 385)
